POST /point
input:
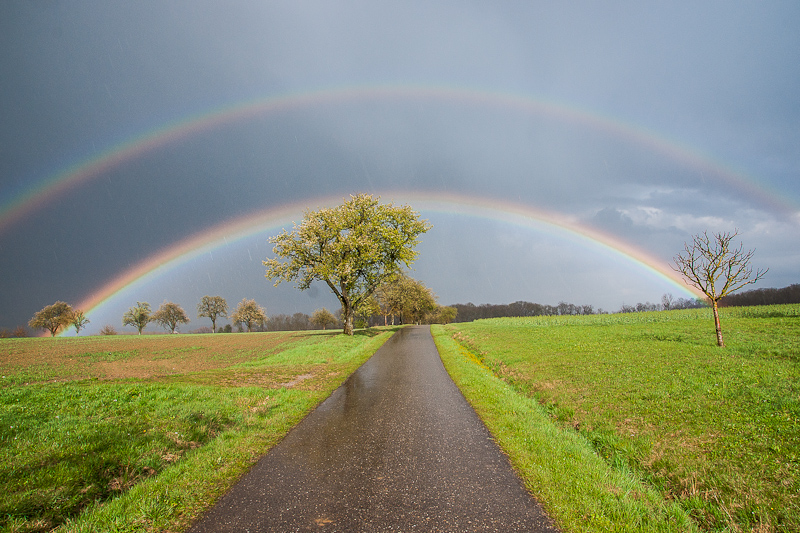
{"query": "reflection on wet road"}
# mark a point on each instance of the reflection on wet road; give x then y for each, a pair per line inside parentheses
(395, 448)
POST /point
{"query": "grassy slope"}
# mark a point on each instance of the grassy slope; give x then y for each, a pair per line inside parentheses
(151, 453)
(649, 396)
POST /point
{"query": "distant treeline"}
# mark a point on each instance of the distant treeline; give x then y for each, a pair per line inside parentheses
(469, 311)
(786, 295)
(295, 322)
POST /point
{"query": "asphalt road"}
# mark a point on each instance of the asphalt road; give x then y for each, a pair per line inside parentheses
(395, 448)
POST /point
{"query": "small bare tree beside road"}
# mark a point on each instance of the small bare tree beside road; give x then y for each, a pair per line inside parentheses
(717, 268)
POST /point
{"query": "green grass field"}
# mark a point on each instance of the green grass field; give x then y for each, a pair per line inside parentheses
(133, 433)
(654, 419)
(631, 422)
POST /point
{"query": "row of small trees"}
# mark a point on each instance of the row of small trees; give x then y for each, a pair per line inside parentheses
(400, 299)
(406, 300)
(18, 332)
(60, 315)
(170, 315)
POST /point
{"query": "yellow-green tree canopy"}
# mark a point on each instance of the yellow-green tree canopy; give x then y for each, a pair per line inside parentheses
(407, 297)
(169, 315)
(212, 307)
(138, 316)
(52, 317)
(322, 318)
(353, 248)
(78, 320)
(249, 313)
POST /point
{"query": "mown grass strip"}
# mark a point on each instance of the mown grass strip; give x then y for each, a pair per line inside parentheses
(133, 455)
(579, 490)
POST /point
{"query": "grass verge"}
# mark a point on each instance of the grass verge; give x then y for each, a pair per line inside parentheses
(579, 490)
(715, 430)
(150, 453)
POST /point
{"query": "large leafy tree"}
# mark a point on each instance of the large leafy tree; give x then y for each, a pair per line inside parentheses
(138, 316)
(169, 315)
(212, 307)
(717, 268)
(52, 317)
(249, 313)
(353, 248)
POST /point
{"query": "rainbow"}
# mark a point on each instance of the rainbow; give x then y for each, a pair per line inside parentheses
(52, 187)
(259, 222)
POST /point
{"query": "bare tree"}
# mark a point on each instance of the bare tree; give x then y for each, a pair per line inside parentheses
(716, 268)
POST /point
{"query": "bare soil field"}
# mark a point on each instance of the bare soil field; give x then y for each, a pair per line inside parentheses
(132, 356)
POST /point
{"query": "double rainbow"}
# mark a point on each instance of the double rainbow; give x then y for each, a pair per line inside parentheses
(48, 190)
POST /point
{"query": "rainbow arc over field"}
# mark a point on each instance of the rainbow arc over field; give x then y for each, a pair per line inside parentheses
(49, 189)
(274, 219)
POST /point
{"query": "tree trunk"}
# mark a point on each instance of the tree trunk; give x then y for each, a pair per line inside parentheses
(348, 320)
(716, 323)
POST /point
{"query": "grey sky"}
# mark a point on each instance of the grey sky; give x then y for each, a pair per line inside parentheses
(716, 81)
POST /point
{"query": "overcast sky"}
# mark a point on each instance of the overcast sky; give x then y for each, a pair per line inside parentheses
(646, 122)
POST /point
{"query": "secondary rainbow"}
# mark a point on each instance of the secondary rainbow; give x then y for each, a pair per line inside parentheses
(229, 232)
(50, 188)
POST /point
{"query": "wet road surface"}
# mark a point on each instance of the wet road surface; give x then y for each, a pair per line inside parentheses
(395, 448)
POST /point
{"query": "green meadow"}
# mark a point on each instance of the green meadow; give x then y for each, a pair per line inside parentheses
(131, 433)
(639, 422)
(628, 422)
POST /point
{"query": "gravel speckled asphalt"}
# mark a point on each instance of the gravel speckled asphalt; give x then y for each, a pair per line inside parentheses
(395, 448)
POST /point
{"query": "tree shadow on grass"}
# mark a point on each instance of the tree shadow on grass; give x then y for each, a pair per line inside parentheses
(363, 332)
(372, 332)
